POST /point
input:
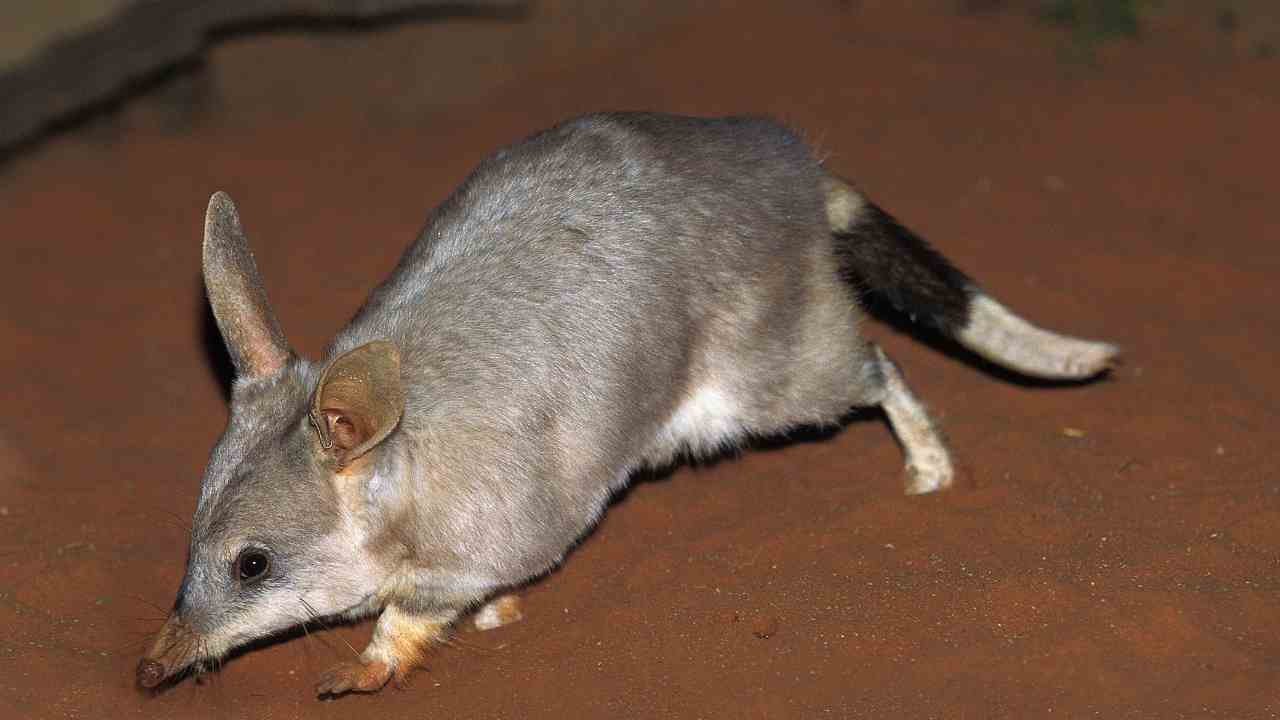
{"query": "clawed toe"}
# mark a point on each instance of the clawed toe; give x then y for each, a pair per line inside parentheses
(352, 677)
(400, 680)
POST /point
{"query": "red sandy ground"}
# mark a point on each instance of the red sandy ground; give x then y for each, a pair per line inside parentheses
(1127, 570)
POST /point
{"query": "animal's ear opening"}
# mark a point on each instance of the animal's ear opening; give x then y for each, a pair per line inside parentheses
(358, 401)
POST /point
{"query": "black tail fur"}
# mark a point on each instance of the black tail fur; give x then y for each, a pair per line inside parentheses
(881, 257)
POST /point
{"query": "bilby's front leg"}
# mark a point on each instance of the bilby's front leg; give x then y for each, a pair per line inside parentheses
(400, 643)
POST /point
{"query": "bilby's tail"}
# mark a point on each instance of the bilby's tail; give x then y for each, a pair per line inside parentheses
(882, 257)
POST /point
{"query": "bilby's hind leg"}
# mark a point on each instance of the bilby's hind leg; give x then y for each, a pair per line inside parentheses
(400, 642)
(502, 610)
(928, 463)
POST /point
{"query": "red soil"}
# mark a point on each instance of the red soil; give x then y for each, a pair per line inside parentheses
(1125, 570)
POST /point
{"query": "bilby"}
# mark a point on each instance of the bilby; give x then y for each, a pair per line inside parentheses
(608, 294)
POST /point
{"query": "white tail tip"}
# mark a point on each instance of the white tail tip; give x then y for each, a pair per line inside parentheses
(1002, 337)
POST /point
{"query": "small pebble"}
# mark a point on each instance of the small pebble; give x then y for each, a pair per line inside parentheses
(764, 627)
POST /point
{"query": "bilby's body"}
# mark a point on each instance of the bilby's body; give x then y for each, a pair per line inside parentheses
(605, 295)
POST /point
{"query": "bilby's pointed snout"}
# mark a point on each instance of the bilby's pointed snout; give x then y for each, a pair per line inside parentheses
(175, 648)
(150, 673)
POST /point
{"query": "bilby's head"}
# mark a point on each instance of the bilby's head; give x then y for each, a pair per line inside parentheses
(280, 534)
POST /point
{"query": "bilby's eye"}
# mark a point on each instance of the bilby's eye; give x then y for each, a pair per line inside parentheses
(252, 564)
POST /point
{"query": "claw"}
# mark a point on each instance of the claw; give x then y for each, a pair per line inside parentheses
(400, 679)
(353, 677)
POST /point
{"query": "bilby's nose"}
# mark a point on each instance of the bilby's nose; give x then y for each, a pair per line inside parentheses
(150, 673)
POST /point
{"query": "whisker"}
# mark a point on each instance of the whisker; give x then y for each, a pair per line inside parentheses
(147, 602)
(131, 646)
(307, 639)
(455, 641)
(315, 616)
(176, 525)
(178, 520)
(148, 619)
(311, 617)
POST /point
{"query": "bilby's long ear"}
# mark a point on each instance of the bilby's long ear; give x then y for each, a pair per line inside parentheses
(248, 326)
(358, 401)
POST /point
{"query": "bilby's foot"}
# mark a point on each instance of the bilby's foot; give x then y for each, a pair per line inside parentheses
(502, 610)
(353, 676)
(400, 643)
(928, 465)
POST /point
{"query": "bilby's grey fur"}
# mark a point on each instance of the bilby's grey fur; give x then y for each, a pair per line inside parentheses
(604, 295)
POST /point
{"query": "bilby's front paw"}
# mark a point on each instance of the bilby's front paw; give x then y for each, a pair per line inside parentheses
(353, 676)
